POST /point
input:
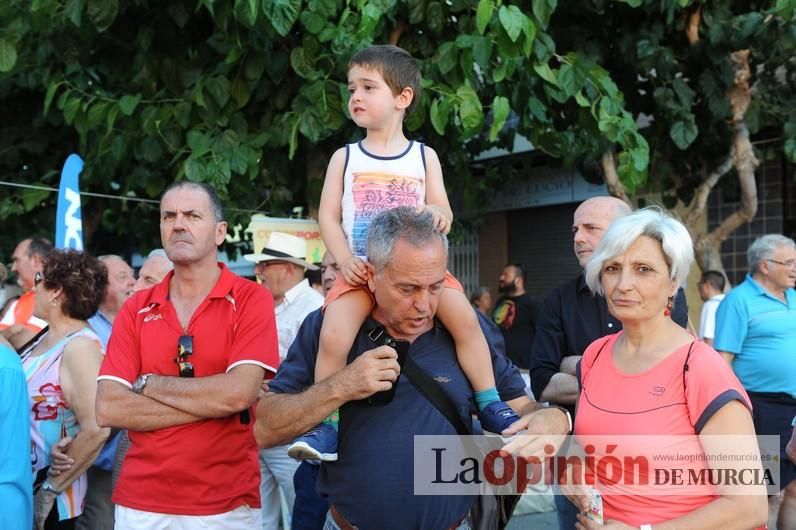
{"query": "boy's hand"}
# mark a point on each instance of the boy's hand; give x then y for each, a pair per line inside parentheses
(441, 221)
(354, 271)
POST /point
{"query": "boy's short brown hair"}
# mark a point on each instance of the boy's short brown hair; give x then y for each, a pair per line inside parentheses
(396, 66)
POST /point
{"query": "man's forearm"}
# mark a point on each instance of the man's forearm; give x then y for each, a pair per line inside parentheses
(562, 390)
(282, 417)
(214, 396)
(118, 406)
(569, 364)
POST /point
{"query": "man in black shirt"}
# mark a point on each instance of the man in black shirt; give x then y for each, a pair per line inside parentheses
(572, 318)
(516, 314)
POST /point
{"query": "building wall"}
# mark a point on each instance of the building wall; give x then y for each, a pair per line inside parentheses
(493, 249)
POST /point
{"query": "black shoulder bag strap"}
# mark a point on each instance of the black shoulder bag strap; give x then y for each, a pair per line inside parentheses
(490, 512)
(434, 394)
(32, 341)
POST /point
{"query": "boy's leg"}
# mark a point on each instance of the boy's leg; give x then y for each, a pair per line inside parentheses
(341, 322)
(458, 317)
(472, 351)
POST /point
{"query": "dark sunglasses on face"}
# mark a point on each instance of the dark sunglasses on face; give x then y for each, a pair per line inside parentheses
(184, 350)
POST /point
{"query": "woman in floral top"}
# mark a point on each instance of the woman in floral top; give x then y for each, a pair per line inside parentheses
(61, 370)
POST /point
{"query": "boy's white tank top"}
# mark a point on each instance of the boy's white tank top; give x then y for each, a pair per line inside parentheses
(372, 184)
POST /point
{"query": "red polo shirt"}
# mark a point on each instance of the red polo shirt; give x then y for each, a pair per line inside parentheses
(207, 467)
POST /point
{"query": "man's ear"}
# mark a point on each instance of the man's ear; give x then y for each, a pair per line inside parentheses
(371, 272)
(221, 232)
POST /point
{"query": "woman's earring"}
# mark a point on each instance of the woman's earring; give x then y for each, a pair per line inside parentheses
(669, 304)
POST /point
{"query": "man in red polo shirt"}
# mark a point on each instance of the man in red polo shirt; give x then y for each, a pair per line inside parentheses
(184, 365)
(19, 325)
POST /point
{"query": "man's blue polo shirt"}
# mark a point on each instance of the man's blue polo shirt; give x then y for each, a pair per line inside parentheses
(760, 329)
(371, 484)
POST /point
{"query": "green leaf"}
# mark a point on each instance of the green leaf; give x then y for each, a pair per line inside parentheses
(684, 92)
(8, 56)
(70, 109)
(501, 71)
(302, 64)
(500, 113)
(240, 92)
(543, 10)
(218, 87)
(538, 110)
(313, 22)
(246, 11)
(435, 16)
(512, 20)
(446, 57)
(198, 142)
(567, 80)
(294, 138)
(546, 73)
(194, 169)
(128, 104)
(369, 18)
(102, 13)
(470, 110)
(73, 11)
(48, 98)
(482, 51)
(529, 30)
(440, 112)
(282, 14)
(96, 114)
(110, 119)
(483, 14)
(32, 198)
(683, 133)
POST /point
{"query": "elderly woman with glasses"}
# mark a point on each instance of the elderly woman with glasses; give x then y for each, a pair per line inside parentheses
(654, 378)
(61, 367)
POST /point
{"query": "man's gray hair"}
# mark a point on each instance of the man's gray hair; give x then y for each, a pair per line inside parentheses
(678, 249)
(763, 247)
(406, 223)
(160, 253)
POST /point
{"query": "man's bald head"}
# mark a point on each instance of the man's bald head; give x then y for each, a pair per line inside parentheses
(590, 221)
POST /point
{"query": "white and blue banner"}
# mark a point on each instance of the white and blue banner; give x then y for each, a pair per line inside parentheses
(68, 222)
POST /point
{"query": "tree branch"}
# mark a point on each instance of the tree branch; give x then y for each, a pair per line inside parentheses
(692, 29)
(743, 158)
(697, 205)
(397, 31)
(612, 182)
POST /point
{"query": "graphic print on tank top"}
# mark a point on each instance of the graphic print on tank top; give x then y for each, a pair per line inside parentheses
(374, 192)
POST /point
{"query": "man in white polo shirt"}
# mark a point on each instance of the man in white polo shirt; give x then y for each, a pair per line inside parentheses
(280, 267)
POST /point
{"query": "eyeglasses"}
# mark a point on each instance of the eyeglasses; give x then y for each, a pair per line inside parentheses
(37, 278)
(184, 350)
(791, 263)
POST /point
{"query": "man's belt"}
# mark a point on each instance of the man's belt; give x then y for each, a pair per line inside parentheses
(345, 525)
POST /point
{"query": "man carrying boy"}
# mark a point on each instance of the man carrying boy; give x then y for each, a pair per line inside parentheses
(382, 172)
(371, 484)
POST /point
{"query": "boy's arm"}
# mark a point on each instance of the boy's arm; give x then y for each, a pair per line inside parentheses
(330, 211)
(435, 186)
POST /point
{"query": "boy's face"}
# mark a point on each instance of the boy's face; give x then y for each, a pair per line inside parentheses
(371, 101)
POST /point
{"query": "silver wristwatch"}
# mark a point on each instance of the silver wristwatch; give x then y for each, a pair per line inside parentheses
(46, 486)
(140, 383)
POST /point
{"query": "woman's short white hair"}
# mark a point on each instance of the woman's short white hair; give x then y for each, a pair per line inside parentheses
(675, 241)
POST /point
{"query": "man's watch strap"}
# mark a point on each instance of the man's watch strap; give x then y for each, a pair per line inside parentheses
(47, 486)
(140, 383)
(569, 416)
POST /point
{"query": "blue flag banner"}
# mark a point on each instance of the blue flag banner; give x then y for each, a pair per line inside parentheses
(68, 223)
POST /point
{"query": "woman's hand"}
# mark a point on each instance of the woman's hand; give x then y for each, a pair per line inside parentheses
(42, 506)
(584, 523)
(354, 271)
(60, 462)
